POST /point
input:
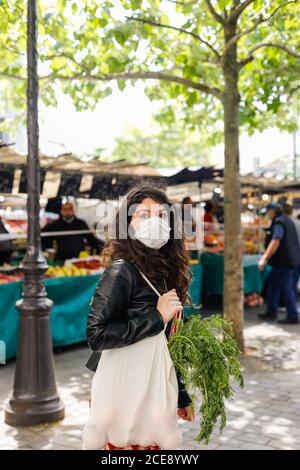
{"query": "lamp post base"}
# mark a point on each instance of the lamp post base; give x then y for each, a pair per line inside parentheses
(34, 399)
(28, 413)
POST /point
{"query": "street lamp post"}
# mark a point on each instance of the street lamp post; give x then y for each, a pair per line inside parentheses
(35, 399)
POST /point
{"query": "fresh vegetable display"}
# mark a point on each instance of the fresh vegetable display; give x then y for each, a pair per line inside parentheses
(65, 271)
(4, 278)
(250, 247)
(76, 267)
(253, 300)
(210, 240)
(206, 355)
(92, 264)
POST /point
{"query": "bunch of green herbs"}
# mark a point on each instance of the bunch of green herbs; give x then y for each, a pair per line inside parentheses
(206, 355)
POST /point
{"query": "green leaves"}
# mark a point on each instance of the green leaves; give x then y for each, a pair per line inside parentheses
(163, 148)
(207, 357)
(93, 39)
(135, 4)
(121, 84)
(61, 5)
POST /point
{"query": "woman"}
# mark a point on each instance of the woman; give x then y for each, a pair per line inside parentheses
(139, 294)
(210, 217)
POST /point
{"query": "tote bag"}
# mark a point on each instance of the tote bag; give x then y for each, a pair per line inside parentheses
(134, 396)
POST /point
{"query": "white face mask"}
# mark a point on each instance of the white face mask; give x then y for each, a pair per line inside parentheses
(153, 232)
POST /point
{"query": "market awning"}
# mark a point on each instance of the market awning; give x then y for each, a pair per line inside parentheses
(189, 176)
(67, 175)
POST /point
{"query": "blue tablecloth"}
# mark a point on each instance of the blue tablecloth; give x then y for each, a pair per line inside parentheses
(195, 290)
(71, 297)
(213, 274)
(9, 317)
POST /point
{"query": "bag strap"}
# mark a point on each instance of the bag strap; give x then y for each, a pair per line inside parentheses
(149, 283)
(173, 329)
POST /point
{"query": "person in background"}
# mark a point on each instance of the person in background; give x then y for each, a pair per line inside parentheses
(189, 226)
(288, 211)
(6, 246)
(283, 254)
(210, 216)
(69, 246)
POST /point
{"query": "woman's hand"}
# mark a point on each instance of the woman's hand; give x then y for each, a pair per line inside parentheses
(169, 305)
(187, 413)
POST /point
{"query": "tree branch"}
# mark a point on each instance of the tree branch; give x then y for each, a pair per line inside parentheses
(161, 25)
(12, 76)
(14, 51)
(259, 21)
(69, 57)
(143, 76)
(279, 8)
(238, 9)
(183, 4)
(268, 44)
(235, 38)
(166, 77)
(214, 14)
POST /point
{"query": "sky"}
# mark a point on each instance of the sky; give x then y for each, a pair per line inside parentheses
(82, 132)
(62, 129)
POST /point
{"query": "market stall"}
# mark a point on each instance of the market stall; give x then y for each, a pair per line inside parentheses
(71, 296)
(71, 286)
(213, 278)
(204, 185)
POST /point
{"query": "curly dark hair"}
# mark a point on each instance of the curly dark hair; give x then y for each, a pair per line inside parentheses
(169, 264)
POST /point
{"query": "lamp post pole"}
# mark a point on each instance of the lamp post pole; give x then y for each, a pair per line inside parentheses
(34, 399)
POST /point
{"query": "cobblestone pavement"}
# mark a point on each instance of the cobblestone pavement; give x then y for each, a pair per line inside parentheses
(264, 415)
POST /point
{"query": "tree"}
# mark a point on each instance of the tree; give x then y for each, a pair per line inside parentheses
(161, 148)
(228, 60)
(12, 60)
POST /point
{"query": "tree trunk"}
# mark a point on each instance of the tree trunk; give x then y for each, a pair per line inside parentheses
(233, 283)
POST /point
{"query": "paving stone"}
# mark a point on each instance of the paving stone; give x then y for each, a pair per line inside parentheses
(258, 439)
(265, 415)
(281, 445)
(223, 447)
(252, 446)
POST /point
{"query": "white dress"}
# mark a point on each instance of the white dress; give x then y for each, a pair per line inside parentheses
(134, 397)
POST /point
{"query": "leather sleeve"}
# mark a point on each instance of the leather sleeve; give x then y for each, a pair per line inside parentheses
(108, 325)
(183, 397)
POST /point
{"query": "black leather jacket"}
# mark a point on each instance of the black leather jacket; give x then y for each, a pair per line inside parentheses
(123, 311)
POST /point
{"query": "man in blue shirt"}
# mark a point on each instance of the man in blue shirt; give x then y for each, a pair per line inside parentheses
(283, 254)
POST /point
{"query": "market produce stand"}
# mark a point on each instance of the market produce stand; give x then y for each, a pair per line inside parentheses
(195, 290)
(213, 274)
(71, 297)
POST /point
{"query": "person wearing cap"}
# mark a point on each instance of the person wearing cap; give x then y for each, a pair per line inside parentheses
(283, 255)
